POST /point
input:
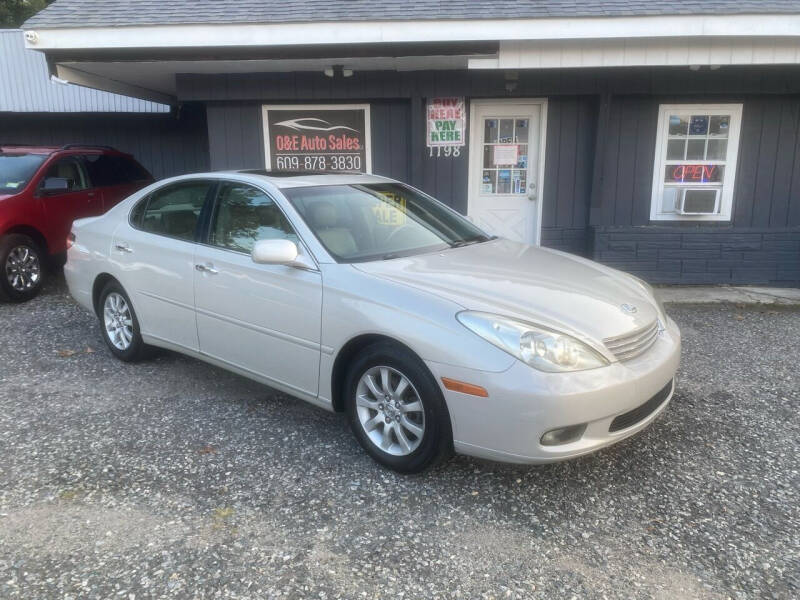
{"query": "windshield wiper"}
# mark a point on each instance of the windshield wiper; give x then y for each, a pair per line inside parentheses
(468, 241)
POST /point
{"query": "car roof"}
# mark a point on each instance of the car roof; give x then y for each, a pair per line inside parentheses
(283, 180)
(14, 149)
(47, 150)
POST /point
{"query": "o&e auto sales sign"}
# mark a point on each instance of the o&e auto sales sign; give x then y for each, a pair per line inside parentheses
(323, 138)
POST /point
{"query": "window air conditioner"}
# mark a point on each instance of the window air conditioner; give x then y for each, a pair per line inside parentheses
(702, 201)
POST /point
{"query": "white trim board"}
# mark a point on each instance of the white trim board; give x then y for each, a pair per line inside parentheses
(373, 32)
(653, 51)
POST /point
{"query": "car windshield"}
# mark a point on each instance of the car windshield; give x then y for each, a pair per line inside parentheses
(358, 223)
(16, 170)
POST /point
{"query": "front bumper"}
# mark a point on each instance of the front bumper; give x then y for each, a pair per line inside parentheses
(524, 403)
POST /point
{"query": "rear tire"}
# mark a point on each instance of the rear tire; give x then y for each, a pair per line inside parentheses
(396, 410)
(119, 325)
(22, 268)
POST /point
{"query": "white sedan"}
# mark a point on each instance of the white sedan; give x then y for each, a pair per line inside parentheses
(361, 294)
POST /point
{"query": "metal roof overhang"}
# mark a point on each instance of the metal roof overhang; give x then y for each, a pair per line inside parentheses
(143, 61)
(150, 73)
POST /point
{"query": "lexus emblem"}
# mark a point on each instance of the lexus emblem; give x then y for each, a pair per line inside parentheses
(628, 308)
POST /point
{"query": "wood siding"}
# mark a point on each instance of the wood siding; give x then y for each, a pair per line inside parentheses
(767, 190)
(163, 144)
(601, 135)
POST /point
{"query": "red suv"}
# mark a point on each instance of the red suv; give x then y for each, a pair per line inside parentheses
(44, 189)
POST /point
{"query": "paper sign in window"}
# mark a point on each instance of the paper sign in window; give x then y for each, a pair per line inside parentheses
(506, 154)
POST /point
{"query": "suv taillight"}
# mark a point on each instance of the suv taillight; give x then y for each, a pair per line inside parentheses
(70, 240)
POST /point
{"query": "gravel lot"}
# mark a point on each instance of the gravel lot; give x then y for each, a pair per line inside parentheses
(175, 479)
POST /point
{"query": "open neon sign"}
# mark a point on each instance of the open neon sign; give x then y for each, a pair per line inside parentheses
(693, 173)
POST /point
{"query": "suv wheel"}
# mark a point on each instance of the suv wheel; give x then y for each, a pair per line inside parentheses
(396, 410)
(21, 261)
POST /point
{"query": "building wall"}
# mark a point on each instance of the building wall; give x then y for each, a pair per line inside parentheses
(164, 144)
(761, 244)
(601, 134)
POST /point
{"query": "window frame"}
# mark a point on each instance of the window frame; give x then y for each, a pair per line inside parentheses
(78, 160)
(213, 210)
(725, 198)
(202, 219)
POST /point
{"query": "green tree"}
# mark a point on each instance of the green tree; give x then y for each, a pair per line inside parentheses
(13, 13)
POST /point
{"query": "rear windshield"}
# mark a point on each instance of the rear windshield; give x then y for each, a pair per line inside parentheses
(16, 171)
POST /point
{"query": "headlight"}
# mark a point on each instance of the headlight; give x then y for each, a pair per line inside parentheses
(538, 346)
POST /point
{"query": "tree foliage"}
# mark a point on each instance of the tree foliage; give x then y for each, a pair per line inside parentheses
(13, 13)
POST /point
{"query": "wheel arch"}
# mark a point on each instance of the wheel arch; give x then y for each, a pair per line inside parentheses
(346, 354)
(33, 233)
(100, 282)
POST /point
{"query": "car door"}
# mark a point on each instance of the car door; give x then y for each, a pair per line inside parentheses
(154, 251)
(264, 319)
(62, 206)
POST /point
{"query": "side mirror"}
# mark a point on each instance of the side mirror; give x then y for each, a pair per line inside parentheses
(54, 185)
(280, 252)
(274, 252)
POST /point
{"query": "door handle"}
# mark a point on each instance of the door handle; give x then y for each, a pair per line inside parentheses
(208, 268)
(532, 191)
(122, 247)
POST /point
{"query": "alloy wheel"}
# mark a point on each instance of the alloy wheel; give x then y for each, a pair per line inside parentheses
(390, 410)
(118, 321)
(23, 269)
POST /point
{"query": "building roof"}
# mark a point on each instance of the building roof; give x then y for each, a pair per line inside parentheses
(110, 13)
(27, 86)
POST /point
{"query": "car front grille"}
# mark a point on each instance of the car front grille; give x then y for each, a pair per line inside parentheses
(631, 345)
(641, 412)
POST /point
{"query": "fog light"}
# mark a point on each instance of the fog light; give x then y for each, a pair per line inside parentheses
(563, 435)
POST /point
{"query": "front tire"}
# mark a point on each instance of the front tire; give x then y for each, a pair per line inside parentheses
(22, 268)
(119, 325)
(396, 410)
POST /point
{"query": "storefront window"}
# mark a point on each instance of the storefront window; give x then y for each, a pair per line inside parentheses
(695, 165)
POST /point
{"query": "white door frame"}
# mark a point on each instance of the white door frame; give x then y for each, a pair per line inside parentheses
(476, 157)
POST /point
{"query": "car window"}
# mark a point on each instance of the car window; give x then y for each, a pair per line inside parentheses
(72, 171)
(244, 215)
(108, 169)
(16, 170)
(173, 210)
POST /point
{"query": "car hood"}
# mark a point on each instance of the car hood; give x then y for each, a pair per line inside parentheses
(552, 288)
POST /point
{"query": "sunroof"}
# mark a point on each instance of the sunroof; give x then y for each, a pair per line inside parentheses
(281, 173)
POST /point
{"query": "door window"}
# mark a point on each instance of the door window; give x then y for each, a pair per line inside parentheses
(505, 155)
(71, 170)
(109, 169)
(173, 210)
(245, 215)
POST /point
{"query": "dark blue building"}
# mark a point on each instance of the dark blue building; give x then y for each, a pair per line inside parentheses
(659, 137)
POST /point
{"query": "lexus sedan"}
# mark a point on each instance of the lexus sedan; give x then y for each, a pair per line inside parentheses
(363, 295)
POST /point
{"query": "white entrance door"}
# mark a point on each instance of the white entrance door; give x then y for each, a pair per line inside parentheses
(506, 167)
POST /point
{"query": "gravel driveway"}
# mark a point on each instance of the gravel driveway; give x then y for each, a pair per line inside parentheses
(172, 478)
